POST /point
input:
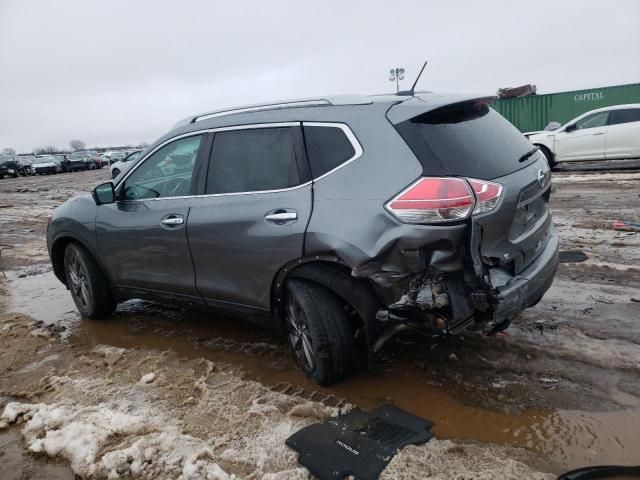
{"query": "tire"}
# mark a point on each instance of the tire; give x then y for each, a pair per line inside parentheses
(319, 332)
(115, 173)
(548, 155)
(15, 174)
(88, 285)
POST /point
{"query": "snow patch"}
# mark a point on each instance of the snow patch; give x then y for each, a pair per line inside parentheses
(147, 378)
(592, 177)
(104, 443)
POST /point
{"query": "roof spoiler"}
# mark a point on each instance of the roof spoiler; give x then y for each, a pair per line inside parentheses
(419, 104)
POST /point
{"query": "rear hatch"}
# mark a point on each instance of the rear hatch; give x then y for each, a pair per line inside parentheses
(467, 138)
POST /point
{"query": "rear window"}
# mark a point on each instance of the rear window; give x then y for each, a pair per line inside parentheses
(327, 148)
(626, 115)
(468, 140)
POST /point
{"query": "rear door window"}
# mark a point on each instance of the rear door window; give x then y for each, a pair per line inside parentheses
(252, 160)
(467, 139)
(625, 115)
(328, 147)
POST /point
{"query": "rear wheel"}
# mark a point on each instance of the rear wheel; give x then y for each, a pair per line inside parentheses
(88, 285)
(319, 332)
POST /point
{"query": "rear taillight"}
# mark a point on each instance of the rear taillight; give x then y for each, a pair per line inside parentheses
(448, 199)
(487, 195)
(433, 200)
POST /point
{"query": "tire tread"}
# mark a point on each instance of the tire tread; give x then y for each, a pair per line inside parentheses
(329, 323)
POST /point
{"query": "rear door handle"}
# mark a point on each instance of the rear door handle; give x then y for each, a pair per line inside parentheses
(281, 217)
(172, 220)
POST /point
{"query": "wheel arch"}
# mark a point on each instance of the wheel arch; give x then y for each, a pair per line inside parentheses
(58, 247)
(548, 153)
(334, 274)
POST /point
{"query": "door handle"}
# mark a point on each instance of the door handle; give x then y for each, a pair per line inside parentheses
(599, 133)
(281, 217)
(172, 221)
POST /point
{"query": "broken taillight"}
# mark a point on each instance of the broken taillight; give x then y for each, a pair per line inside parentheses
(487, 195)
(444, 199)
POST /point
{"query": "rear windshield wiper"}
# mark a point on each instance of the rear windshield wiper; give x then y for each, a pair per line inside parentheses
(528, 154)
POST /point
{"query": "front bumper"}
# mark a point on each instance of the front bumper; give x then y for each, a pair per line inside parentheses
(45, 170)
(527, 288)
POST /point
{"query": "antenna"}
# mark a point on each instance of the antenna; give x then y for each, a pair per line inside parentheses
(413, 87)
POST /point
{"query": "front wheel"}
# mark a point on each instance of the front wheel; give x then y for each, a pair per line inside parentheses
(88, 285)
(319, 332)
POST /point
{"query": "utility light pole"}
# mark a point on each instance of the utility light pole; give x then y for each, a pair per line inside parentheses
(396, 74)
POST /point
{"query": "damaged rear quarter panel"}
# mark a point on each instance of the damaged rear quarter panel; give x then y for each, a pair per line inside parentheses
(349, 218)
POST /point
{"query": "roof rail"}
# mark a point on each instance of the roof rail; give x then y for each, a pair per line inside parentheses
(318, 102)
(259, 108)
(252, 108)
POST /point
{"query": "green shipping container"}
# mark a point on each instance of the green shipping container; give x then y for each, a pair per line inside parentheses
(536, 111)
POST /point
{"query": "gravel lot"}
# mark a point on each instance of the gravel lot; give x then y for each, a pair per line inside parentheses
(159, 392)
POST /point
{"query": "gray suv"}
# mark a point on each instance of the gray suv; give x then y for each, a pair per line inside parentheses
(340, 221)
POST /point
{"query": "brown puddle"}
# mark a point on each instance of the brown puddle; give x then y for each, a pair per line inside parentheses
(568, 438)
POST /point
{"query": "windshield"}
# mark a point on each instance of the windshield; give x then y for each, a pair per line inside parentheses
(466, 139)
(43, 160)
(77, 155)
(6, 158)
(132, 156)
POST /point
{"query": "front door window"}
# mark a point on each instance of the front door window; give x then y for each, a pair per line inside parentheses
(166, 173)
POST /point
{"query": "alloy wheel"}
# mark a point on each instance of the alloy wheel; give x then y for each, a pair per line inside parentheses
(79, 283)
(300, 336)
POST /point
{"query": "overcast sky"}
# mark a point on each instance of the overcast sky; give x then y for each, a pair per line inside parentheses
(113, 72)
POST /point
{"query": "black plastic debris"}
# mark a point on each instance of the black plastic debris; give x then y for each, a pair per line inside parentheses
(358, 443)
(572, 256)
(603, 471)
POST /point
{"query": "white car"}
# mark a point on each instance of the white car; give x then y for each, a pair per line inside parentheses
(46, 165)
(606, 133)
(120, 166)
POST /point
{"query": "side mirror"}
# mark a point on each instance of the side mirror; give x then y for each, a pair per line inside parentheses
(104, 193)
(570, 128)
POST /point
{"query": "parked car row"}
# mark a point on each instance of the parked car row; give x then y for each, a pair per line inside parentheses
(113, 156)
(23, 165)
(12, 165)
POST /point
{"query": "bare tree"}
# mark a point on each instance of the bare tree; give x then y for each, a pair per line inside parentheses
(8, 151)
(76, 145)
(48, 150)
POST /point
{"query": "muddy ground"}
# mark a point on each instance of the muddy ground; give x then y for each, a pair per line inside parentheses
(159, 392)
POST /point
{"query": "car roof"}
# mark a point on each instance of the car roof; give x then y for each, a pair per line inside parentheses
(613, 107)
(603, 109)
(310, 109)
